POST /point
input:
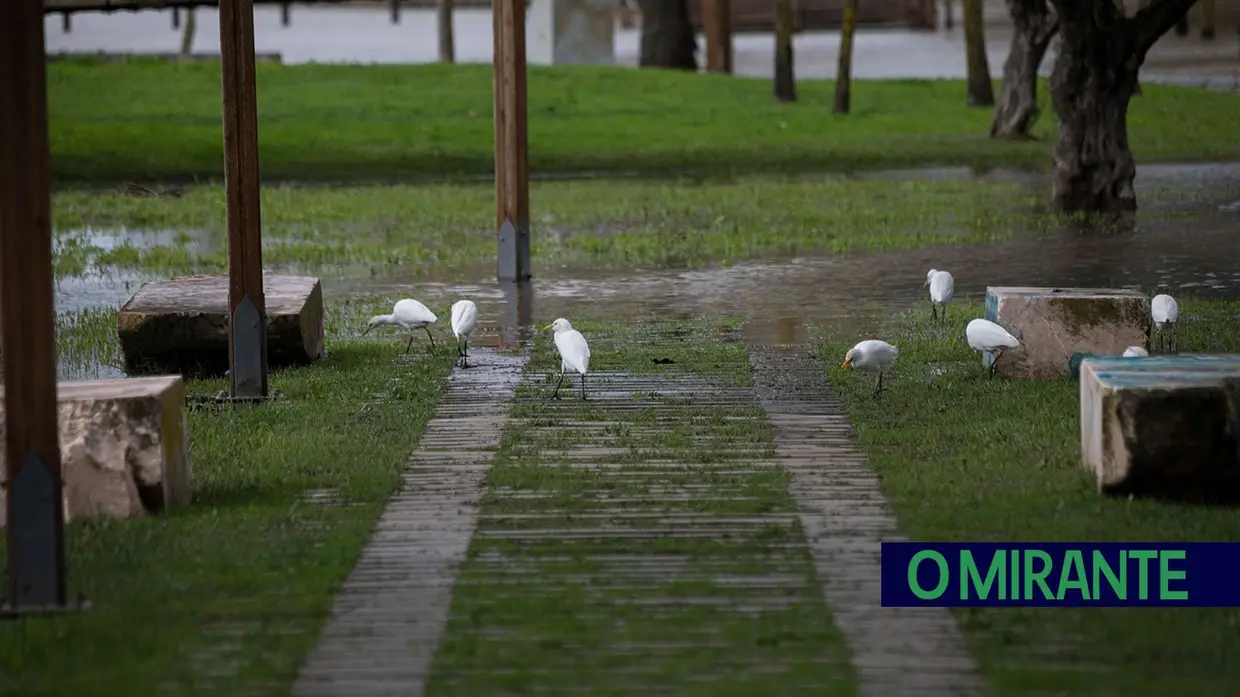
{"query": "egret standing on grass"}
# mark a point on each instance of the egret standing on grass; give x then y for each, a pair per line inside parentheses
(408, 315)
(872, 356)
(1135, 352)
(1165, 312)
(574, 353)
(464, 318)
(942, 288)
(987, 337)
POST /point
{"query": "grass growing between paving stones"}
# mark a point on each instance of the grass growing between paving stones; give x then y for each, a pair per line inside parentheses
(151, 120)
(965, 458)
(227, 595)
(640, 542)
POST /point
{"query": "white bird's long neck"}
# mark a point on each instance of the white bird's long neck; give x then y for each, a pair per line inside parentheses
(385, 319)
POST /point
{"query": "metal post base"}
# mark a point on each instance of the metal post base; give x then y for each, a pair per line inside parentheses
(12, 612)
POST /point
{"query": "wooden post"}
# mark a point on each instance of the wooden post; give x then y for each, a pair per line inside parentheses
(247, 307)
(512, 176)
(717, 26)
(35, 513)
(447, 43)
(843, 69)
(785, 80)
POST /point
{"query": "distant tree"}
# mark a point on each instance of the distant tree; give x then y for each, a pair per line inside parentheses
(1034, 26)
(785, 75)
(843, 71)
(1094, 78)
(668, 39)
(980, 91)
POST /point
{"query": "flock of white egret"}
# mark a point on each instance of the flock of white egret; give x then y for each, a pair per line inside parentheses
(877, 357)
(410, 315)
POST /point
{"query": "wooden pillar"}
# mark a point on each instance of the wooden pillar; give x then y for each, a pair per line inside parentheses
(447, 43)
(35, 513)
(717, 26)
(247, 307)
(512, 175)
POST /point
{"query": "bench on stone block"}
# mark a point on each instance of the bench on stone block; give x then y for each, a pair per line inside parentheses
(1052, 324)
(180, 325)
(124, 447)
(1165, 426)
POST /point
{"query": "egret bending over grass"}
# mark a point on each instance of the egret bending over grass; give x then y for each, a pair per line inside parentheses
(872, 356)
(574, 353)
(987, 337)
(408, 315)
(1165, 312)
(1135, 352)
(464, 318)
(942, 288)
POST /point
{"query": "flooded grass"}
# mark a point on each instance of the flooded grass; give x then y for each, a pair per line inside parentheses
(965, 458)
(160, 121)
(226, 596)
(643, 540)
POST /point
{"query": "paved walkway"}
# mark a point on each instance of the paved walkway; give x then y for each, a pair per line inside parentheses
(663, 537)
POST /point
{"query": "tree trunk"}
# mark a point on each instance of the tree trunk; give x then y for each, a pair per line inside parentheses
(447, 42)
(843, 71)
(785, 79)
(1034, 27)
(668, 39)
(187, 36)
(1208, 19)
(980, 91)
(1094, 79)
(948, 22)
(1181, 27)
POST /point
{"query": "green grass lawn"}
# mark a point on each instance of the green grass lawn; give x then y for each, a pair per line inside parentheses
(965, 458)
(642, 541)
(148, 120)
(227, 595)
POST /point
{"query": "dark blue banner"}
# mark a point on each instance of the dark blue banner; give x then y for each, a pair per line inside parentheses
(975, 574)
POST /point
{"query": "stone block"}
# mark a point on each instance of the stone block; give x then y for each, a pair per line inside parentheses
(1166, 426)
(571, 32)
(180, 325)
(124, 447)
(1052, 324)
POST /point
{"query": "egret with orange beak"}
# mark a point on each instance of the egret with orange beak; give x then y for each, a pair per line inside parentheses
(872, 356)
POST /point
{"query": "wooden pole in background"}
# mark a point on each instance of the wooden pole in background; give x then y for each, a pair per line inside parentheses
(447, 42)
(512, 175)
(785, 79)
(717, 26)
(35, 513)
(247, 307)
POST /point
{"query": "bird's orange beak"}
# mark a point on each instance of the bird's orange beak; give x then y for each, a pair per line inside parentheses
(846, 364)
(548, 327)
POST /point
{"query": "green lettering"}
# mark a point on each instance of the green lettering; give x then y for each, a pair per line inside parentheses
(1038, 577)
(914, 586)
(969, 575)
(1014, 581)
(1166, 574)
(1143, 574)
(1073, 561)
(1119, 584)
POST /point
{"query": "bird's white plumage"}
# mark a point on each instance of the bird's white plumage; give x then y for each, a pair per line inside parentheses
(872, 356)
(574, 351)
(942, 286)
(1135, 351)
(1164, 310)
(407, 314)
(464, 318)
(984, 335)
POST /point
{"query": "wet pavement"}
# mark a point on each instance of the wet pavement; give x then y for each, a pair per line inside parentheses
(366, 35)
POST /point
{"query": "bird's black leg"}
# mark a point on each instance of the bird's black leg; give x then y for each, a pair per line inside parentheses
(410, 344)
(583, 387)
(878, 384)
(1175, 339)
(465, 355)
(556, 393)
(934, 311)
(428, 335)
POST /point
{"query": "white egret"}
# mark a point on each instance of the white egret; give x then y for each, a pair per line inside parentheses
(1165, 312)
(408, 315)
(942, 288)
(872, 356)
(987, 337)
(1135, 352)
(464, 319)
(574, 353)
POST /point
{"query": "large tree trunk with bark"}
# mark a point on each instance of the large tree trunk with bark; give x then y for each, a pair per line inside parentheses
(1094, 78)
(668, 39)
(1034, 27)
(980, 91)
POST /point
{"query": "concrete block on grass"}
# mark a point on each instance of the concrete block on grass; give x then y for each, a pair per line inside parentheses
(1163, 426)
(180, 325)
(1052, 324)
(124, 447)
(571, 32)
